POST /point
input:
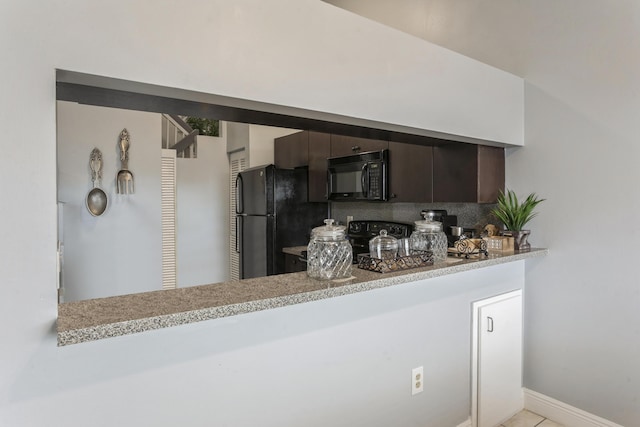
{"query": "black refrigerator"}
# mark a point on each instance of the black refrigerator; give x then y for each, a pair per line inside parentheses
(272, 212)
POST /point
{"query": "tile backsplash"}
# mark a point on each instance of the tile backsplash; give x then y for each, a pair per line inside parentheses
(470, 215)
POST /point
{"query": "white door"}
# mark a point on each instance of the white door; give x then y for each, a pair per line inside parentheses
(497, 362)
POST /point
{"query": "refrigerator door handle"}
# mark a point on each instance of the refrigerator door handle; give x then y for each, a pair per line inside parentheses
(238, 234)
(239, 195)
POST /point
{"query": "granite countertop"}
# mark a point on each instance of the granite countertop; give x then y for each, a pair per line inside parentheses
(95, 319)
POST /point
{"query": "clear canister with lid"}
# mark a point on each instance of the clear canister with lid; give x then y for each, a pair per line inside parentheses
(383, 246)
(329, 252)
(428, 236)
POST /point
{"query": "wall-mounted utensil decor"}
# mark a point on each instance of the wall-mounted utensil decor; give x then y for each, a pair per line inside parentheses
(124, 178)
(96, 199)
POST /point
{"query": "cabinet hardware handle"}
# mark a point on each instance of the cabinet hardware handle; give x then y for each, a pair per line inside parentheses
(364, 180)
(489, 324)
(355, 148)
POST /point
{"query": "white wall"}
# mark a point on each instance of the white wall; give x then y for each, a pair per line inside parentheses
(300, 53)
(582, 121)
(582, 126)
(237, 136)
(261, 143)
(118, 252)
(203, 214)
(256, 140)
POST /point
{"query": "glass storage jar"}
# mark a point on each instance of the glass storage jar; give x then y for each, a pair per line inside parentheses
(428, 236)
(329, 253)
(383, 246)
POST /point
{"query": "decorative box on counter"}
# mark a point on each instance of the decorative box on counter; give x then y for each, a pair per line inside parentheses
(469, 247)
(501, 244)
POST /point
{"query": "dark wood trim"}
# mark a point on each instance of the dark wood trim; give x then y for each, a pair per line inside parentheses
(186, 141)
(184, 125)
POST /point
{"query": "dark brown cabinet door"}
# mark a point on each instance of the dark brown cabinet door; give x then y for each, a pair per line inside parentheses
(467, 173)
(292, 264)
(291, 151)
(319, 152)
(490, 173)
(347, 145)
(310, 149)
(410, 173)
(455, 170)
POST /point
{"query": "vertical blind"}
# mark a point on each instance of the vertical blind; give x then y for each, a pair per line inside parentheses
(237, 163)
(168, 210)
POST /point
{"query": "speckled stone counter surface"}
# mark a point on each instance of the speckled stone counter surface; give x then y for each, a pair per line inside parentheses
(95, 319)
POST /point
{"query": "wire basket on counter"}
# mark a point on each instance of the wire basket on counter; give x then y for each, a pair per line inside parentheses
(415, 260)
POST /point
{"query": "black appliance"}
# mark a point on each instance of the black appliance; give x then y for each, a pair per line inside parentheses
(360, 232)
(360, 176)
(272, 212)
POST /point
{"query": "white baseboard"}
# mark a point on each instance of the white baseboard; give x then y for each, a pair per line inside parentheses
(562, 413)
(465, 424)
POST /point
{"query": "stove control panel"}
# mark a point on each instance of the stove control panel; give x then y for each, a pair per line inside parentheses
(370, 229)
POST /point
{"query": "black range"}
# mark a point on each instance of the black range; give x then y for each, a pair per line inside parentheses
(360, 232)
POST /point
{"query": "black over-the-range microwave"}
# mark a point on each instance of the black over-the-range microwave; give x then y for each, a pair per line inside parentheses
(361, 176)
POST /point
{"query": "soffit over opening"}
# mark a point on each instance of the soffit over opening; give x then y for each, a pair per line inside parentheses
(116, 93)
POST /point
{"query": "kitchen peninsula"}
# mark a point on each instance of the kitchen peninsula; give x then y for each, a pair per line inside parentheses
(95, 319)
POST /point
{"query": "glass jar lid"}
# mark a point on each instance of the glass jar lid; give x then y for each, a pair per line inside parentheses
(329, 230)
(426, 225)
(384, 241)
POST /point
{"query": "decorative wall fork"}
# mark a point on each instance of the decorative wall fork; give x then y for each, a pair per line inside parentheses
(124, 179)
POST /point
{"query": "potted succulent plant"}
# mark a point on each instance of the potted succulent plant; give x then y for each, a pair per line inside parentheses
(514, 215)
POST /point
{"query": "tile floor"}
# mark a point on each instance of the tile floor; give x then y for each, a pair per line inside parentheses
(529, 419)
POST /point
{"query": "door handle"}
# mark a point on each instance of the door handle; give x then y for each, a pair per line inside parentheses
(364, 180)
(489, 324)
(239, 195)
(238, 234)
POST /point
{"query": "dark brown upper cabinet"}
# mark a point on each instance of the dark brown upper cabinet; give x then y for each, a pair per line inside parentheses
(410, 173)
(452, 172)
(319, 152)
(347, 145)
(467, 173)
(310, 149)
(291, 151)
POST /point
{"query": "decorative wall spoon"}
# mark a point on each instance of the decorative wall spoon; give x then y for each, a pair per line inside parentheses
(96, 199)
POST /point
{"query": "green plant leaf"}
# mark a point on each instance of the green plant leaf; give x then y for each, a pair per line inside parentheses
(208, 127)
(513, 214)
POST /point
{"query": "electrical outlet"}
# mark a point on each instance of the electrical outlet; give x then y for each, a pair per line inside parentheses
(417, 380)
